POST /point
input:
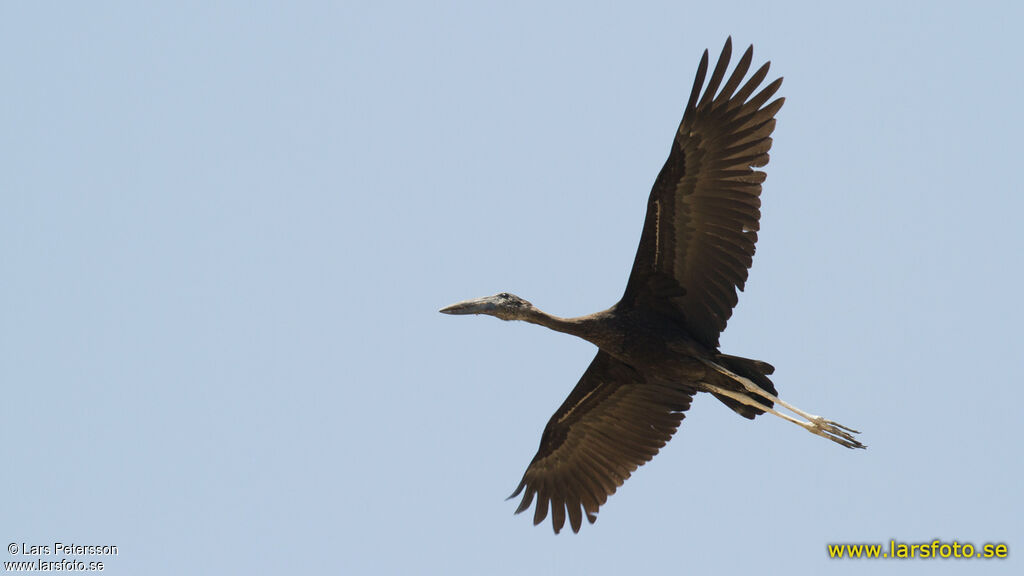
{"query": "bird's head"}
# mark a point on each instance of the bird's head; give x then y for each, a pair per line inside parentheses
(505, 306)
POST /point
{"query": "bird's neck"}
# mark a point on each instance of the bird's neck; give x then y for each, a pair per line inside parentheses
(585, 327)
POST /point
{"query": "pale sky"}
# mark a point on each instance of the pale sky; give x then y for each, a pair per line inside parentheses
(226, 229)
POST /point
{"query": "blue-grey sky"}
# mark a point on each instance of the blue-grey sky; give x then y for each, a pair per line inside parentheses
(226, 229)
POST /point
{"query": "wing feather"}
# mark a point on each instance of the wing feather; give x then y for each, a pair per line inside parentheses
(717, 75)
(737, 76)
(755, 80)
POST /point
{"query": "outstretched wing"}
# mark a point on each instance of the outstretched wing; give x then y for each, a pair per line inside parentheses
(611, 423)
(702, 216)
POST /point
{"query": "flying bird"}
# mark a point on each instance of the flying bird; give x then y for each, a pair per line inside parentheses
(658, 346)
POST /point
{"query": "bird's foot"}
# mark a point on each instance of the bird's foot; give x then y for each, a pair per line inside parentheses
(833, 431)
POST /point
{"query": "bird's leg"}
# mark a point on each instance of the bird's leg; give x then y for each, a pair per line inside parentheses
(815, 424)
(747, 400)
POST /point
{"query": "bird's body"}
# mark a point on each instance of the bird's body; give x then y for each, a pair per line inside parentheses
(638, 338)
(658, 346)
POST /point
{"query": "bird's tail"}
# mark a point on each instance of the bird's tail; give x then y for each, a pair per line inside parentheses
(757, 372)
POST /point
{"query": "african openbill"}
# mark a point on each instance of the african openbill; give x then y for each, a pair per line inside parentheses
(658, 346)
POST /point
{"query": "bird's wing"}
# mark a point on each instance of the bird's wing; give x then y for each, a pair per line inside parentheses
(611, 423)
(702, 216)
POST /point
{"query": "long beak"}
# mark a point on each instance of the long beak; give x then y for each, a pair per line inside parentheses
(475, 306)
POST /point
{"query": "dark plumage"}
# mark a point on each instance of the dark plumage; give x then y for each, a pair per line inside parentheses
(658, 346)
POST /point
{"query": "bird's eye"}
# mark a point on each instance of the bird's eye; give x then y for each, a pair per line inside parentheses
(504, 295)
